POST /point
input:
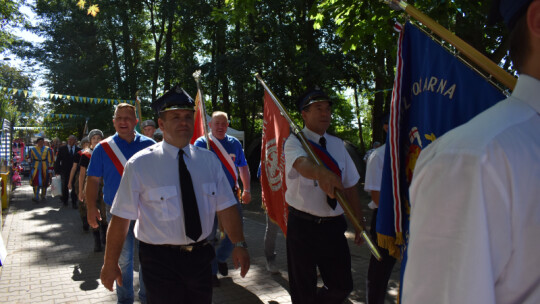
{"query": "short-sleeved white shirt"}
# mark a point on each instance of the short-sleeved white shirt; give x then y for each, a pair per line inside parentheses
(374, 170)
(475, 216)
(304, 194)
(149, 192)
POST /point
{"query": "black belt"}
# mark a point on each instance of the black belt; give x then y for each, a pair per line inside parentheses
(312, 218)
(186, 248)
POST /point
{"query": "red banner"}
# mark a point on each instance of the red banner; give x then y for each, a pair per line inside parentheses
(275, 131)
(198, 129)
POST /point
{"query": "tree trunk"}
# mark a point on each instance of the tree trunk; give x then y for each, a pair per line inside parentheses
(360, 131)
(222, 62)
(168, 46)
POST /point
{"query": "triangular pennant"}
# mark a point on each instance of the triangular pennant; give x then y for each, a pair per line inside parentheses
(59, 96)
(25, 93)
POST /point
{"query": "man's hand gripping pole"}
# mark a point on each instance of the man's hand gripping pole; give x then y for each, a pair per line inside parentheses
(338, 194)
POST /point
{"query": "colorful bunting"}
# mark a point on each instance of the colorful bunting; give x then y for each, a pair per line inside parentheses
(38, 128)
(52, 115)
(54, 96)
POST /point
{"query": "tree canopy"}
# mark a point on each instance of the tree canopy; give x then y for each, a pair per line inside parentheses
(142, 48)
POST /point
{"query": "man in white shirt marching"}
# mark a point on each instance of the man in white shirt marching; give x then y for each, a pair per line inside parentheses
(475, 195)
(173, 190)
(316, 225)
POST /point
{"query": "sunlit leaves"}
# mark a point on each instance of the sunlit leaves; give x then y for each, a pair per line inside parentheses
(93, 10)
(81, 4)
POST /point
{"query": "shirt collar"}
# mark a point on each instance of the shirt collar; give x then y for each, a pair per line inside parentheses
(173, 151)
(528, 90)
(312, 135)
(121, 140)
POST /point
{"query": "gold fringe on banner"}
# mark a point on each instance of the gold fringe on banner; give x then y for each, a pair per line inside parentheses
(391, 243)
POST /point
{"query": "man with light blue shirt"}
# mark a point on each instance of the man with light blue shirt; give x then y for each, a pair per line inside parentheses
(107, 162)
(231, 154)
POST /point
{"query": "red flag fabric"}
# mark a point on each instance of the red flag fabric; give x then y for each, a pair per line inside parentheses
(198, 129)
(275, 131)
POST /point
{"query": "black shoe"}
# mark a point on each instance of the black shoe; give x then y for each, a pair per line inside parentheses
(85, 225)
(223, 269)
(103, 230)
(215, 281)
(97, 241)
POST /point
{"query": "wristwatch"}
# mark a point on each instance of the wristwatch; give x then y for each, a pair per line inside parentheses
(242, 244)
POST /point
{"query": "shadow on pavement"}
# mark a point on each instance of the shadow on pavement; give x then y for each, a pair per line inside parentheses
(223, 293)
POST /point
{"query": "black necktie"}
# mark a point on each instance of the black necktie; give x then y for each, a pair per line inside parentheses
(322, 142)
(192, 220)
(331, 201)
(71, 151)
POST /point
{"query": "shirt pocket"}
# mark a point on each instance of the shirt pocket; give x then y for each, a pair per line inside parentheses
(166, 202)
(210, 193)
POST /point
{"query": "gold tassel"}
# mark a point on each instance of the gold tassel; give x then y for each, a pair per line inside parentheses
(389, 243)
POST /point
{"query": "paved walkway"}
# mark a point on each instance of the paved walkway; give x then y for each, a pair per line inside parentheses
(51, 260)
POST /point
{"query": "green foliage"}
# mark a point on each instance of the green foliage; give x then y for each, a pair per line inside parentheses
(12, 105)
(10, 17)
(145, 47)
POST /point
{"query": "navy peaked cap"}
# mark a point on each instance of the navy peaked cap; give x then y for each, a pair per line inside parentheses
(175, 99)
(311, 96)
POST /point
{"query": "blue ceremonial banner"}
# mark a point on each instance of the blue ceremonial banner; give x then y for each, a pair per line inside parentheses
(433, 93)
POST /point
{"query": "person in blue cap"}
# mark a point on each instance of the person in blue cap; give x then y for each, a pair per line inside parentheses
(475, 195)
(173, 191)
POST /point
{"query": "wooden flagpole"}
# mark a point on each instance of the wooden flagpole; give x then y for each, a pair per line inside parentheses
(138, 105)
(474, 55)
(338, 194)
(202, 106)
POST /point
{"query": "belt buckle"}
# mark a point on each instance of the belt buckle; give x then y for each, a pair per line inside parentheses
(188, 248)
(319, 220)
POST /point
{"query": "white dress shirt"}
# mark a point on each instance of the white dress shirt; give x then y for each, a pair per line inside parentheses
(304, 194)
(374, 170)
(475, 217)
(149, 192)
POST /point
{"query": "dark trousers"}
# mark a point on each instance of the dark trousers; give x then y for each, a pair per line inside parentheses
(175, 276)
(378, 271)
(323, 245)
(65, 190)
